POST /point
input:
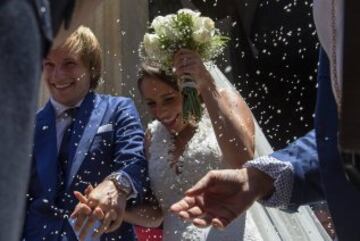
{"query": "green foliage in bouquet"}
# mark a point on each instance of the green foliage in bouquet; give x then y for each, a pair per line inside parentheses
(192, 109)
(184, 30)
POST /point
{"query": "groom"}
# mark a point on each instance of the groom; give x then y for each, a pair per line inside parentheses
(82, 138)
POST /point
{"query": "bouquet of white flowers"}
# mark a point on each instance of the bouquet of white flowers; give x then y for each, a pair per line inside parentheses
(185, 30)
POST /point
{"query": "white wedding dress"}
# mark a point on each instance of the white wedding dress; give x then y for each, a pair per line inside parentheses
(202, 154)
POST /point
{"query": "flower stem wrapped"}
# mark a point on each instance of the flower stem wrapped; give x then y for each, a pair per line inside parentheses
(192, 109)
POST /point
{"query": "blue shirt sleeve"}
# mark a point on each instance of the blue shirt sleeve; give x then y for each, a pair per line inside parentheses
(295, 170)
(302, 154)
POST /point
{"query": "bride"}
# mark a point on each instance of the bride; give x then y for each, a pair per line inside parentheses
(180, 152)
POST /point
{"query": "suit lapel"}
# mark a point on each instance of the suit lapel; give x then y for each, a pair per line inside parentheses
(81, 121)
(45, 148)
(91, 115)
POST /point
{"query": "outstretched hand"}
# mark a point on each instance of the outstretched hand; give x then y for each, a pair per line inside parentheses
(104, 203)
(220, 196)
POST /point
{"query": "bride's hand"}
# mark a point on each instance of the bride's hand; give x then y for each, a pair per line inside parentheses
(187, 62)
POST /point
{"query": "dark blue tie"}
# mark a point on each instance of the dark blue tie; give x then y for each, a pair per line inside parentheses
(64, 151)
(64, 161)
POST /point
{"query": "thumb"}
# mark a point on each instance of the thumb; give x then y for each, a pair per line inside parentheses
(117, 223)
(114, 225)
(202, 185)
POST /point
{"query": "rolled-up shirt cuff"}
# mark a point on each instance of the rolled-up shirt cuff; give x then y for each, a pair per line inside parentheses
(134, 192)
(283, 175)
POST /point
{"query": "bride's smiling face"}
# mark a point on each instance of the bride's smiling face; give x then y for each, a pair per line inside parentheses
(163, 102)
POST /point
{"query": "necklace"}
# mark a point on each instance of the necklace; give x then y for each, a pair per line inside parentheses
(180, 142)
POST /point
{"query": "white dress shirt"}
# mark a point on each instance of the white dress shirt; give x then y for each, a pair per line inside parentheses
(62, 120)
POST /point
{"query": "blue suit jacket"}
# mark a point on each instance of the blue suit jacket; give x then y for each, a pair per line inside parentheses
(94, 156)
(318, 169)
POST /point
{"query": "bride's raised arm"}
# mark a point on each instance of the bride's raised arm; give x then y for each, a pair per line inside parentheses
(230, 116)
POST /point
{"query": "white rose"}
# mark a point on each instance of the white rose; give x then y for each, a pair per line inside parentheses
(152, 45)
(163, 26)
(204, 23)
(208, 23)
(202, 35)
(157, 22)
(169, 18)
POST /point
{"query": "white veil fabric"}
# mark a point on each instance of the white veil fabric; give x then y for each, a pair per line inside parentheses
(272, 223)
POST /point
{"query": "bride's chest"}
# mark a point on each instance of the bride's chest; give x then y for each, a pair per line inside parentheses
(191, 160)
(199, 156)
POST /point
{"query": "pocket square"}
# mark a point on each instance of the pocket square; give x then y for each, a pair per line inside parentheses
(104, 128)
